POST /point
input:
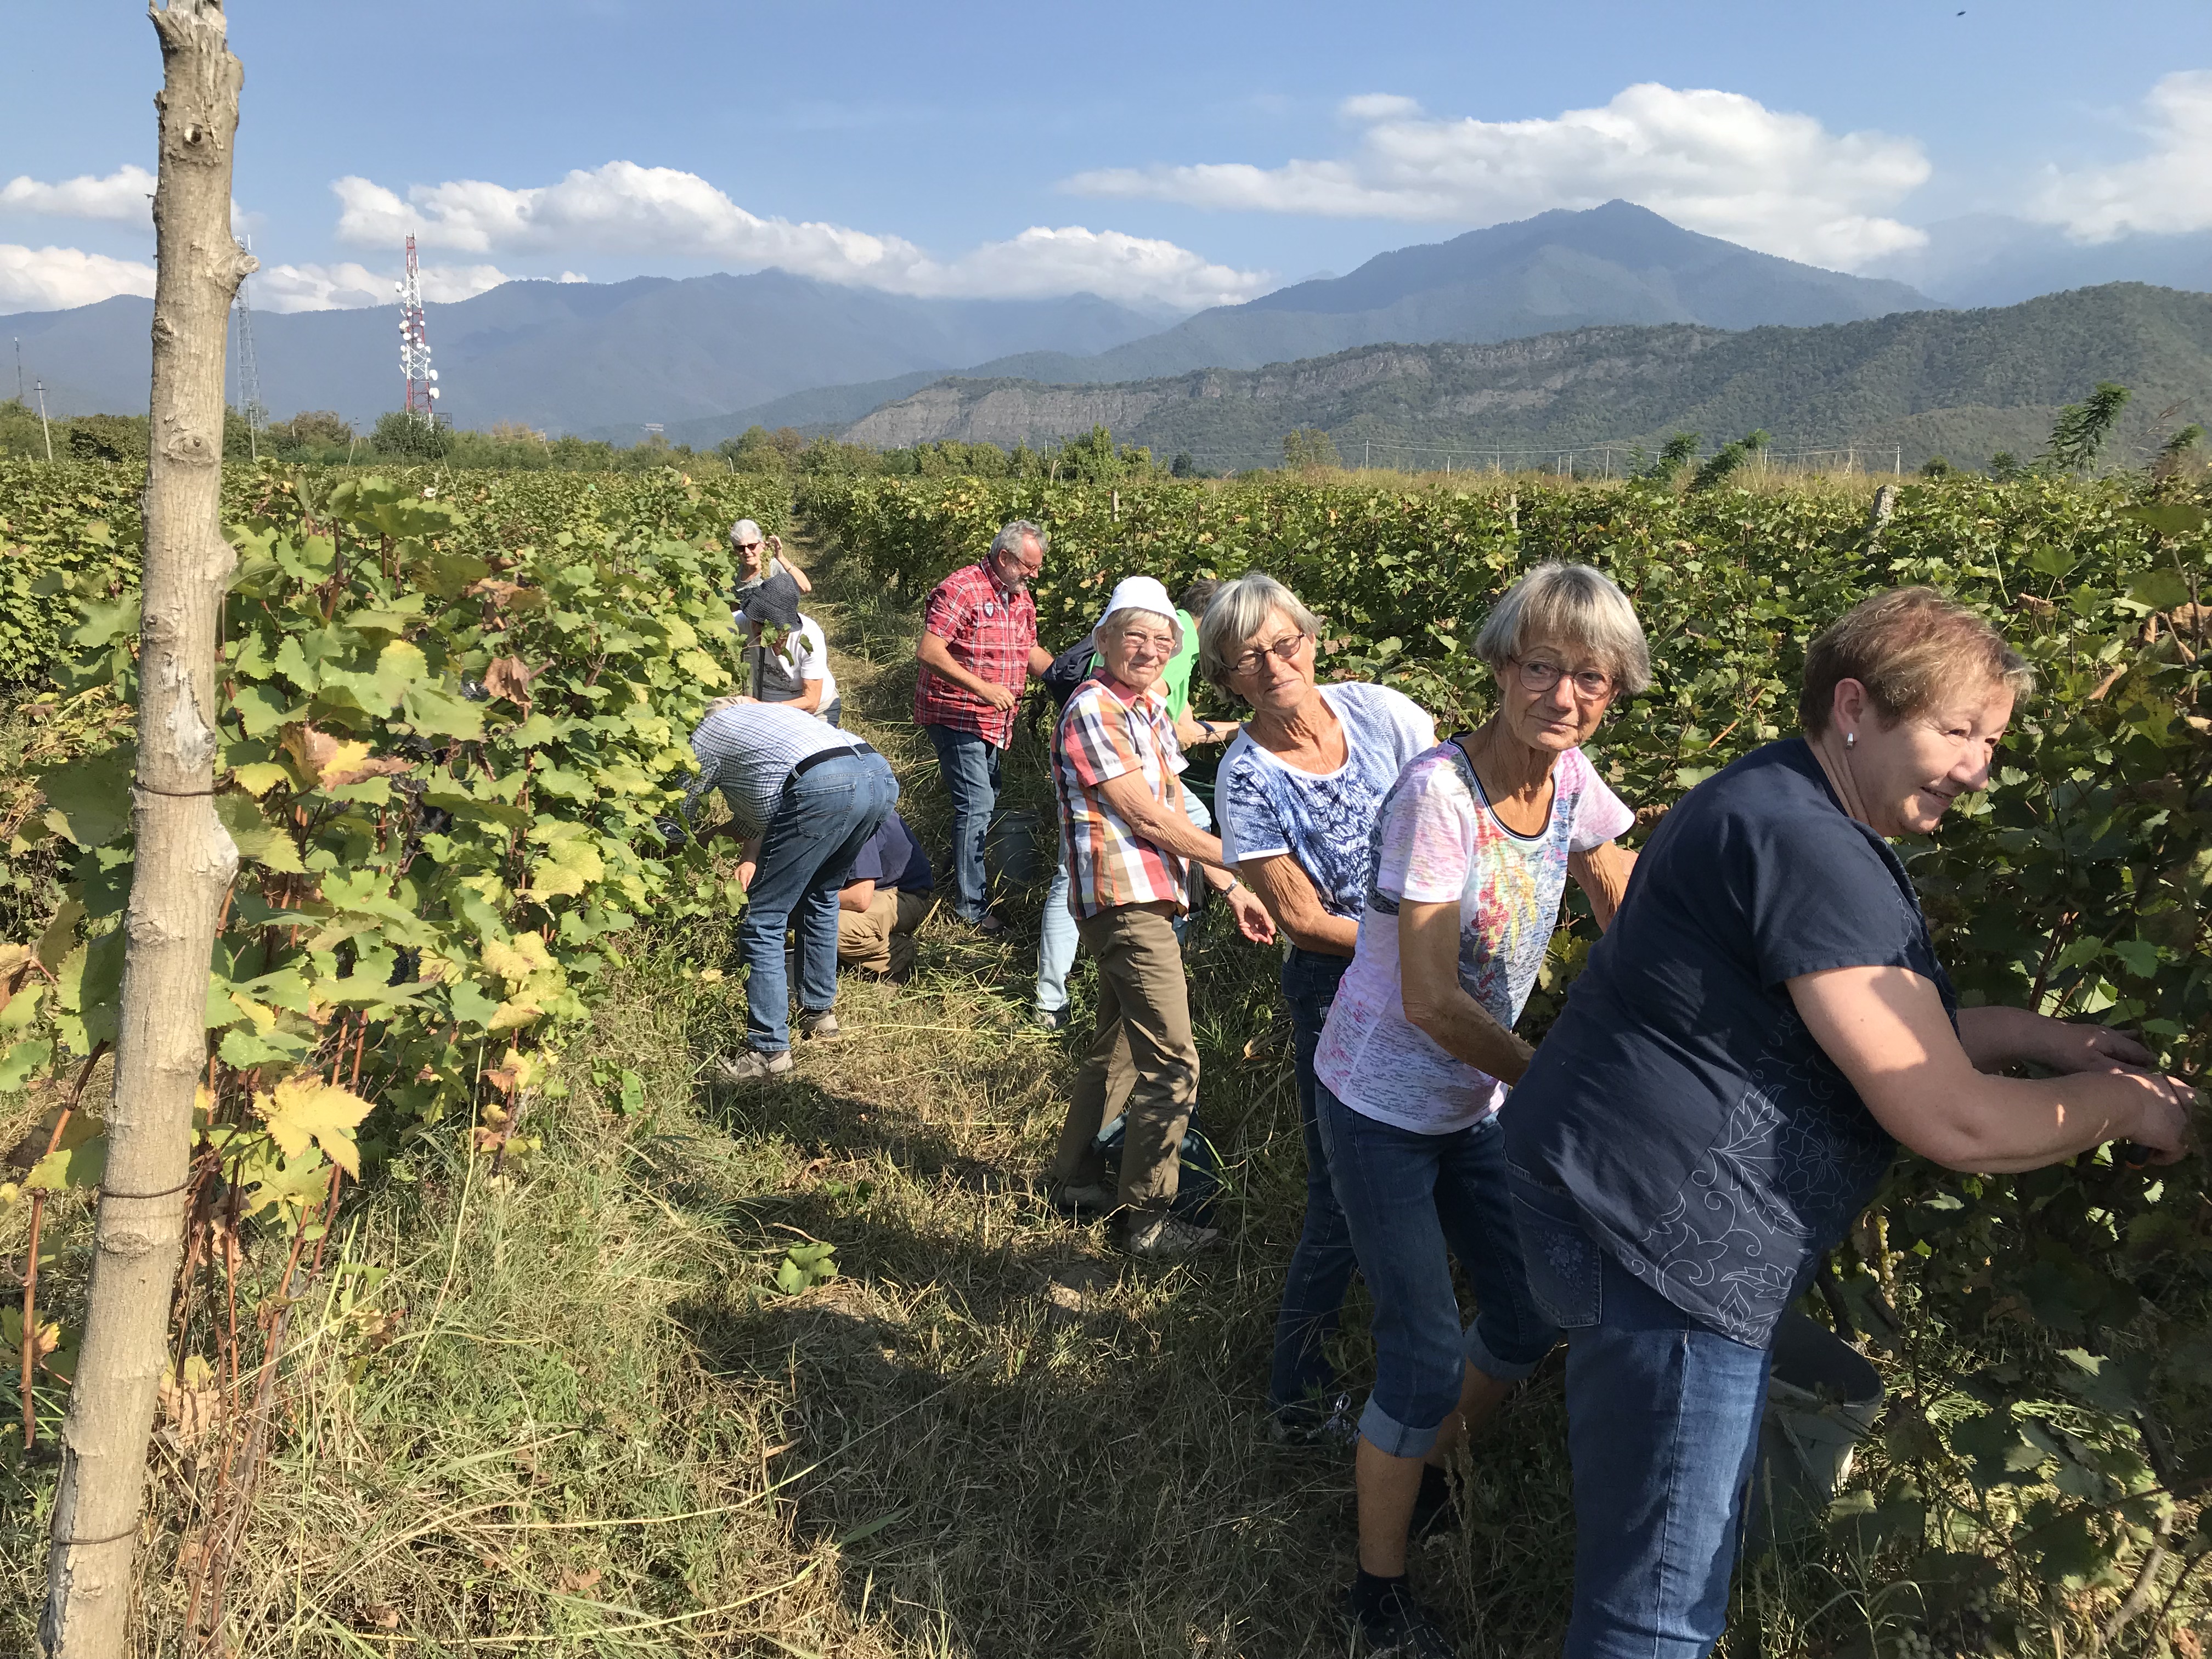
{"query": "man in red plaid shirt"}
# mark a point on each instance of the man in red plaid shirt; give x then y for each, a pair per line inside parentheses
(977, 650)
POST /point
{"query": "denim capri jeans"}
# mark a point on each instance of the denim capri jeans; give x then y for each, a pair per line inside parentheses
(1414, 1201)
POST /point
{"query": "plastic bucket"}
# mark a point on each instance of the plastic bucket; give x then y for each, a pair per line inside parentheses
(1822, 1398)
(1011, 847)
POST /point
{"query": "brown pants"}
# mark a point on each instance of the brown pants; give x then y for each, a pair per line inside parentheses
(880, 938)
(1143, 1062)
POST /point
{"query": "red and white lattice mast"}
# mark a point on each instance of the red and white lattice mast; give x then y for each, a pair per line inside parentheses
(414, 345)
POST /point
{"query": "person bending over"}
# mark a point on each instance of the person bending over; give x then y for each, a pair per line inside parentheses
(805, 796)
(888, 893)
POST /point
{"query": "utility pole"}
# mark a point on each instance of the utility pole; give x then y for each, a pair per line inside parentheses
(43, 427)
(19, 371)
(1366, 454)
(249, 371)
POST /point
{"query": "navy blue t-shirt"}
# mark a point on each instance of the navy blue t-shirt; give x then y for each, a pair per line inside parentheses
(1711, 1146)
(892, 858)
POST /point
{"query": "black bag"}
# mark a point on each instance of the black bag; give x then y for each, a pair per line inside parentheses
(1069, 670)
(1200, 1187)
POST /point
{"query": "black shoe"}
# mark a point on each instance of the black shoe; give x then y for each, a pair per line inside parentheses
(1399, 1630)
(1331, 1427)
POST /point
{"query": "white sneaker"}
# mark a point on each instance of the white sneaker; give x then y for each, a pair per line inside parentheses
(1162, 1238)
(752, 1065)
(822, 1026)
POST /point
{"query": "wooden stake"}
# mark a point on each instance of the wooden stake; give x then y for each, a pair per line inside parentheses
(184, 859)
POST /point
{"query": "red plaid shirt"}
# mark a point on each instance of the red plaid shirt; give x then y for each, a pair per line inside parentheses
(990, 632)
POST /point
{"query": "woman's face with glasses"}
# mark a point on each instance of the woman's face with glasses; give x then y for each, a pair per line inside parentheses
(1554, 694)
(1276, 667)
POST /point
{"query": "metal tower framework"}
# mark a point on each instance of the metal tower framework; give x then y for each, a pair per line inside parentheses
(414, 346)
(249, 372)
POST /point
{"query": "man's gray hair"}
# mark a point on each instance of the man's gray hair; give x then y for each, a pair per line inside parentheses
(1011, 537)
(1568, 605)
(1240, 610)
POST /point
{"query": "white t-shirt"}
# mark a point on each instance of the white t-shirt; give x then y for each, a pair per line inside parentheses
(1325, 820)
(1436, 840)
(804, 657)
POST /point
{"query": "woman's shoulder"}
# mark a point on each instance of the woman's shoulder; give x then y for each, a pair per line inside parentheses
(1776, 797)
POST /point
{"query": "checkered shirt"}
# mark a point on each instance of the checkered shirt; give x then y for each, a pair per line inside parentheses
(990, 632)
(1106, 732)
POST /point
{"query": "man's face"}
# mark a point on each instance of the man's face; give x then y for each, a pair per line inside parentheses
(1017, 567)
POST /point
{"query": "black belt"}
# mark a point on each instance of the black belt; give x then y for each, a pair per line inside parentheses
(821, 755)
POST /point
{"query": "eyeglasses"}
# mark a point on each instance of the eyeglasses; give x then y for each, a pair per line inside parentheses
(1537, 675)
(1284, 651)
(749, 547)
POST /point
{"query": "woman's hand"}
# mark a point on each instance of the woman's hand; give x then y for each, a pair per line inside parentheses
(1995, 1038)
(1252, 918)
(2163, 1106)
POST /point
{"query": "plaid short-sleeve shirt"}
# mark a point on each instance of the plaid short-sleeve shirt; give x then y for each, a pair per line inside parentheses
(1108, 731)
(990, 632)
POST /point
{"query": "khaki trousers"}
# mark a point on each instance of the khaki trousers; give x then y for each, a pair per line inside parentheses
(1143, 1062)
(880, 938)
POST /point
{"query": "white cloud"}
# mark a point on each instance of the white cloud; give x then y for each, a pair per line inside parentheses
(348, 287)
(625, 208)
(1716, 161)
(57, 278)
(2168, 189)
(125, 196)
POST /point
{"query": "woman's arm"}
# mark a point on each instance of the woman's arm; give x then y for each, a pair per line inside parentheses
(1190, 730)
(1602, 874)
(1293, 900)
(1886, 1029)
(1995, 1038)
(1165, 826)
(1435, 1002)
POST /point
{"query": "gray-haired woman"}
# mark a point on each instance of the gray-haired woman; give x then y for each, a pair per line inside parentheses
(1471, 853)
(1296, 797)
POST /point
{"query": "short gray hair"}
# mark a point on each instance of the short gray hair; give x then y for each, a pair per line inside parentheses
(1011, 537)
(1239, 609)
(1569, 604)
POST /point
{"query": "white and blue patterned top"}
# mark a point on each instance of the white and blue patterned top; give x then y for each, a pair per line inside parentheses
(1324, 820)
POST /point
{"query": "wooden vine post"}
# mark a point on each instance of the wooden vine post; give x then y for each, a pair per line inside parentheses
(184, 861)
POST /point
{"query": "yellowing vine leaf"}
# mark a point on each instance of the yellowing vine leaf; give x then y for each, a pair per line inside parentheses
(515, 963)
(304, 1108)
(331, 762)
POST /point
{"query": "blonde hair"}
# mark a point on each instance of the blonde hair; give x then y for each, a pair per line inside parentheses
(1907, 646)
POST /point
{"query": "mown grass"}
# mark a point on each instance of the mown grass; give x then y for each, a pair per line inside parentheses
(561, 1407)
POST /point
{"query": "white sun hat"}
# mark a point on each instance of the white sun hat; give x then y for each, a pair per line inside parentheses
(1139, 593)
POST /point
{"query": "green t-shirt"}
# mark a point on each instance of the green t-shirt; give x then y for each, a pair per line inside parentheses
(1175, 678)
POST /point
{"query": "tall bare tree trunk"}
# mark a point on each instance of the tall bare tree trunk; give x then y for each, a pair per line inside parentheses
(184, 861)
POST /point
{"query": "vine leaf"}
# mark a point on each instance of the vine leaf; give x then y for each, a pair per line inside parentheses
(79, 1159)
(92, 797)
(330, 762)
(304, 1108)
(255, 837)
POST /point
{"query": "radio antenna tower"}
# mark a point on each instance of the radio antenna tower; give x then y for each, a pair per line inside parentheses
(249, 371)
(414, 346)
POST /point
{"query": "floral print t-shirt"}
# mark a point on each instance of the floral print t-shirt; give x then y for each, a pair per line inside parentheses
(1434, 840)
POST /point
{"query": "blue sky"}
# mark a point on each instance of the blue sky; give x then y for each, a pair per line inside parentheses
(1167, 155)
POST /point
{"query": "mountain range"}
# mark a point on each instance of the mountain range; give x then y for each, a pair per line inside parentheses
(1958, 383)
(569, 356)
(708, 357)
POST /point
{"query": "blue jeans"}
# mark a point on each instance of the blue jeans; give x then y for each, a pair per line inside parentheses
(1662, 1427)
(821, 820)
(969, 762)
(1056, 939)
(1411, 1201)
(1322, 1264)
